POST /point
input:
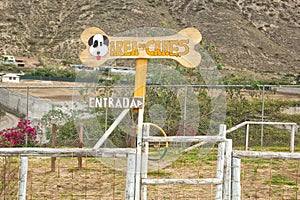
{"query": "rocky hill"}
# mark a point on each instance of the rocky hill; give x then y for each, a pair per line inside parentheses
(262, 37)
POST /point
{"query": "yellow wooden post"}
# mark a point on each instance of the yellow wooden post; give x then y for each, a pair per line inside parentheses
(180, 46)
(140, 77)
(140, 81)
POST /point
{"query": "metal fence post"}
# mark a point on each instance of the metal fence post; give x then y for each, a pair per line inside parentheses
(106, 111)
(262, 116)
(27, 113)
(184, 109)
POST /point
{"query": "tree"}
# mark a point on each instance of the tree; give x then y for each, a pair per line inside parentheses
(67, 132)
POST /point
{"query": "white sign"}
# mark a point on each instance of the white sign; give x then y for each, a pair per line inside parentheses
(120, 102)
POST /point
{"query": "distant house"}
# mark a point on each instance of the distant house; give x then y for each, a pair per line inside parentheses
(6, 60)
(1, 74)
(122, 71)
(78, 67)
(10, 78)
(11, 60)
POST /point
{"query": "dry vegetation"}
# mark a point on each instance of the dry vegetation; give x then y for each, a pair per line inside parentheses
(260, 37)
(260, 179)
(257, 39)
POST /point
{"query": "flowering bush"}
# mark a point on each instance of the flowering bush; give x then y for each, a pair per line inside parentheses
(15, 137)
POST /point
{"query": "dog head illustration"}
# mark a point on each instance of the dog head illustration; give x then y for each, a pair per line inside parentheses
(98, 45)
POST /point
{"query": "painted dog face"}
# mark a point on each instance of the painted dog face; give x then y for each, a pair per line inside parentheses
(98, 45)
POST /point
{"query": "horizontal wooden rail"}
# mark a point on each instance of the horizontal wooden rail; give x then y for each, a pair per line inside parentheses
(185, 139)
(70, 152)
(204, 181)
(266, 155)
(259, 123)
(294, 130)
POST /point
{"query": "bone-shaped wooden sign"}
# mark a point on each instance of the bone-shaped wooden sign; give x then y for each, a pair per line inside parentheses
(100, 47)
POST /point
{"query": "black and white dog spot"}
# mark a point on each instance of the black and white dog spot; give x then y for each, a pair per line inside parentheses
(98, 45)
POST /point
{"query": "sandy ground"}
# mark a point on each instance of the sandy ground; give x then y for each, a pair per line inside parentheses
(260, 179)
(97, 181)
(44, 90)
(8, 121)
(66, 94)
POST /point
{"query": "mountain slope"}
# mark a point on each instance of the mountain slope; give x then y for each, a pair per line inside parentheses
(261, 36)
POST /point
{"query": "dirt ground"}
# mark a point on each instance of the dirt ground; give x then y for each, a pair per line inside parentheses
(61, 91)
(8, 120)
(99, 181)
(66, 94)
(260, 179)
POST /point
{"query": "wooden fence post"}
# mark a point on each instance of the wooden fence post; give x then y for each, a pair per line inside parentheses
(130, 177)
(292, 145)
(236, 179)
(227, 170)
(220, 170)
(247, 137)
(80, 132)
(53, 145)
(145, 154)
(23, 178)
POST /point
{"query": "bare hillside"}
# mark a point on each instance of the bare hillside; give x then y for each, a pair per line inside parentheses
(259, 36)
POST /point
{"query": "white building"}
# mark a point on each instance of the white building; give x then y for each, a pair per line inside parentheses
(10, 78)
(1, 74)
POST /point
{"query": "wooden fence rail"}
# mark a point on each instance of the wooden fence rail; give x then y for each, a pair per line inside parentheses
(266, 155)
(70, 152)
(294, 130)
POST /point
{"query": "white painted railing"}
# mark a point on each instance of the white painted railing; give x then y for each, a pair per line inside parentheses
(267, 155)
(223, 172)
(68, 152)
(294, 128)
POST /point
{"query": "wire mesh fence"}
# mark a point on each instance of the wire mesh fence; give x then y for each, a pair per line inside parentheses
(100, 180)
(270, 179)
(188, 110)
(197, 164)
(9, 169)
(94, 181)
